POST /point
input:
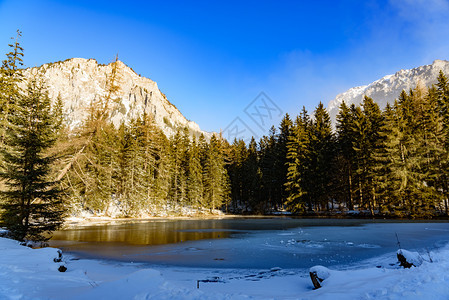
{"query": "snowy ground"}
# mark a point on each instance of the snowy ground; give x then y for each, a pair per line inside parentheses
(32, 274)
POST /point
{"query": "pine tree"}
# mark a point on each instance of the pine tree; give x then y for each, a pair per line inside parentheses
(431, 149)
(252, 177)
(375, 121)
(442, 90)
(32, 206)
(161, 168)
(406, 162)
(346, 156)
(177, 171)
(98, 162)
(268, 164)
(321, 157)
(366, 129)
(184, 155)
(385, 185)
(236, 173)
(194, 176)
(10, 77)
(298, 161)
(442, 94)
(281, 168)
(129, 176)
(412, 177)
(215, 177)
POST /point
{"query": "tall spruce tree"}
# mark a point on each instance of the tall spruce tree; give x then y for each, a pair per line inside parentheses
(236, 173)
(405, 173)
(215, 177)
(345, 157)
(298, 161)
(374, 119)
(366, 129)
(383, 160)
(281, 167)
(31, 206)
(322, 158)
(130, 178)
(162, 167)
(442, 94)
(252, 177)
(10, 77)
(194, 176)
(178, 171)
(431, 149)
(268, 162)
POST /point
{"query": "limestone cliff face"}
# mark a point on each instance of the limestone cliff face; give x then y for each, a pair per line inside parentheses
(388, 88)
(80, 81)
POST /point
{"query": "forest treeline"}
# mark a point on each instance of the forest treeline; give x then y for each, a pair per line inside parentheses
(388, 163)
(391, 162)
(138, 170)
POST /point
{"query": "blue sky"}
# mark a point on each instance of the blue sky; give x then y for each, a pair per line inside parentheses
(212, 58)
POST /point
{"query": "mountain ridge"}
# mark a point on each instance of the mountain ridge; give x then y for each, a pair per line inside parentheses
(387, 89)
(79, 81)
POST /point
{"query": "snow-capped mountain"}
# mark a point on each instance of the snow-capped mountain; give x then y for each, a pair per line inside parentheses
(79, 81)
(388, 88)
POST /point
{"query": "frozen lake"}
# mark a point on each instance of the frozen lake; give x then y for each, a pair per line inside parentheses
(250, 243)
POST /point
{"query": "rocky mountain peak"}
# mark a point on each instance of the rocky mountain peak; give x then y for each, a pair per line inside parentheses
(79, 81)
(388, 88)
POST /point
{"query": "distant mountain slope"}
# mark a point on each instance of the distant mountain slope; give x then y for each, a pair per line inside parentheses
(388, 88)
(78, 81)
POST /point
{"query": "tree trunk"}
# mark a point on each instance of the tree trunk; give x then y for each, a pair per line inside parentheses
(351, 200)
(360, 194)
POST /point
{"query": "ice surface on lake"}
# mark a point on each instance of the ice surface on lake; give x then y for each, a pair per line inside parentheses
(267, 243)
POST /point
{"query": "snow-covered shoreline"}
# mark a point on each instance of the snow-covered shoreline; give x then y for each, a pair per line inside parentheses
(102, 220)
(92, 220)
(87, 219)
(32, 274)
